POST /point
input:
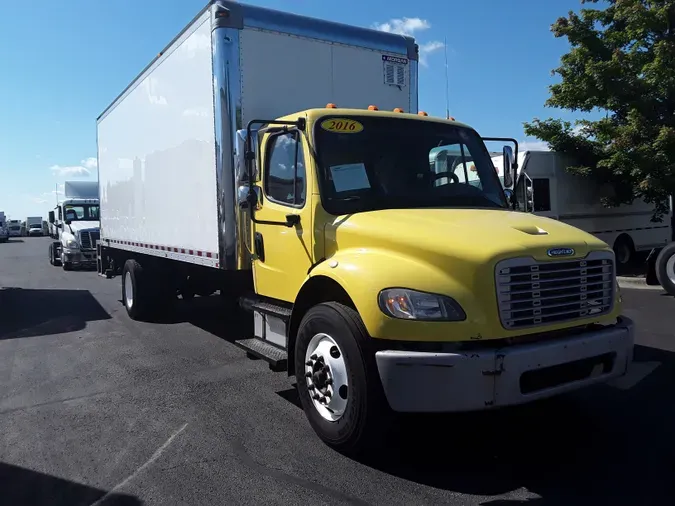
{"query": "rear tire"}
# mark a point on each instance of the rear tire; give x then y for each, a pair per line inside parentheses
(362, 420)
(665, 268)
(624, 251)
(134, 290)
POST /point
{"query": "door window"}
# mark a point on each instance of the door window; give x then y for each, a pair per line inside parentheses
(285, 170)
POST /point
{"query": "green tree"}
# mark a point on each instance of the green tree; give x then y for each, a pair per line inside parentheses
(622, 64)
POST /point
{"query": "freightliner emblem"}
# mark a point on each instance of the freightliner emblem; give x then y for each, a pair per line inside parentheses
(560, 252)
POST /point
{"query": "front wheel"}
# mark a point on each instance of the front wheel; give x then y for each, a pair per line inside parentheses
(337, 379)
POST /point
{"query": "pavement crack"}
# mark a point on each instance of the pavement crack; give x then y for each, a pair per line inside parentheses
(152, 459)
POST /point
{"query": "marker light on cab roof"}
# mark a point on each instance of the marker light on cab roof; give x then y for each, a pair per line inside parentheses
(373, 108)
(331, 106)
(398, 109)
(422, 113)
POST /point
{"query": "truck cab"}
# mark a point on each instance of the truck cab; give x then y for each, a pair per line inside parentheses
(75, 223)
(384, 248)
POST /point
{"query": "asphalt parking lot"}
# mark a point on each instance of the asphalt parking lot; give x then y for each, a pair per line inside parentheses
(98, 409)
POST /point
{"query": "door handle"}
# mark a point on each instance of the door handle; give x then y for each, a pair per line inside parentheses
(292, 220)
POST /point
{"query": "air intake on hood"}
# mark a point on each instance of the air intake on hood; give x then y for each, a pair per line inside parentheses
(531, 229)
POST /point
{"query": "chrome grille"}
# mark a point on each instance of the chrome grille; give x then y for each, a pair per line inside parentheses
(531, 293)
(88, 239)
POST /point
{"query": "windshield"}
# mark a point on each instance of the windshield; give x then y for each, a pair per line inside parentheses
(383, 163)
(84, 212)
(35, 225)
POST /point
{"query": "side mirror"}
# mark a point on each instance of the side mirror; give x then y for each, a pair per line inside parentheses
(247, 199)
(51, 217)
(508, 193)
(508, 162)
(59, 225)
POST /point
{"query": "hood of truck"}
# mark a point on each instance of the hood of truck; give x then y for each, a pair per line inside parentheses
(78, 226)
(472, 235)
(448, 251)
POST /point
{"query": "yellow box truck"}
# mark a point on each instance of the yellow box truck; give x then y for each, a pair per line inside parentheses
(383, 263)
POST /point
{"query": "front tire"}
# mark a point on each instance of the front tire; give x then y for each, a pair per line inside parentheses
(337, 381)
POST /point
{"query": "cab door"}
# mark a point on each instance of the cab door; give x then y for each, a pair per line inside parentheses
(283, 253)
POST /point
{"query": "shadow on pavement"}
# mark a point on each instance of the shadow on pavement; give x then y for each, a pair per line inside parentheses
(14, 240)
(599, 446)
(211, 314)
(21, 486)
(29, 313)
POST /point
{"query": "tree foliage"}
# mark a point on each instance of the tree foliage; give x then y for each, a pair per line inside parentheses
(621, 63)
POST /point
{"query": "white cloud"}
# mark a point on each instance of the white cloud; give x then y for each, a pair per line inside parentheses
(82, 170)
(533, 146)
(429, 47)
(403, 26)
(408, 26)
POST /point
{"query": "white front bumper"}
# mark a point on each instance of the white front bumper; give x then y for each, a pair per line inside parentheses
(517, 374)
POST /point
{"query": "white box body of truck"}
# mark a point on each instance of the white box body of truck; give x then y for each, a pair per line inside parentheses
(167, 145)
(575, 200)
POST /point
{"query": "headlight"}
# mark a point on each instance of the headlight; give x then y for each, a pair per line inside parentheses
(408, 304)
(71, 244)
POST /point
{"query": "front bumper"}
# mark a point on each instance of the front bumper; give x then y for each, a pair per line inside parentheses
(80, 257)
(517, 374)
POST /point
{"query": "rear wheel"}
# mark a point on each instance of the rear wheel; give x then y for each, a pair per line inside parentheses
(624, 250)
(337, 379)
(134, 290)
(665, 268)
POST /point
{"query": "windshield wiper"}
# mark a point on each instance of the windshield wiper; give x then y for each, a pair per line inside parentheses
(348, 198)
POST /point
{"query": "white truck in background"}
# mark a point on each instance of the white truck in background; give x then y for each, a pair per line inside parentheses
(34, 226)
(74, 224)
(4, 230)
(546, 188)
(14, 227)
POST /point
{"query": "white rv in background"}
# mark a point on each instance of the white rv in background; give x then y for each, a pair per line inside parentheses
(555, 193)
(14, 228)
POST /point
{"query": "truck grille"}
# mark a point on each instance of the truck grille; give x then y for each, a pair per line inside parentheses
(531, 293)
(88, 239)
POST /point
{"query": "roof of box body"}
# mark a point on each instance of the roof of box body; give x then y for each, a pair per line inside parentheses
(250, 16)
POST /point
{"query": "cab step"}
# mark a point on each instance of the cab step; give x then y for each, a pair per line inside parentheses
(267, 307)
(275, 356)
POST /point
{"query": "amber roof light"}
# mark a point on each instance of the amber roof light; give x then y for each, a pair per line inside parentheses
(373, 108)
(331, 106)
(398, 109)
(422, 113)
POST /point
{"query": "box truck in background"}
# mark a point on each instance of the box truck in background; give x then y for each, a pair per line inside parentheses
(548, 189)
(34, 226)
(380, 281)
(74, 224)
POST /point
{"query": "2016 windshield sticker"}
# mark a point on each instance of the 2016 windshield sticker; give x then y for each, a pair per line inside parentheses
(342, 126)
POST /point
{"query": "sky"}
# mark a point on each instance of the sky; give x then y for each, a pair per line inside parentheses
(61, 64)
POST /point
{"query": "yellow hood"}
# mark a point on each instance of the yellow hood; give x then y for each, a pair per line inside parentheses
(473, 235)
(447, 251)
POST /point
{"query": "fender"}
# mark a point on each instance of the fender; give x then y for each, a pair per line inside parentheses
(364, 273)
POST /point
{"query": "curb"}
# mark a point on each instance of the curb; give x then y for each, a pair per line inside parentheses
(635, 282)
